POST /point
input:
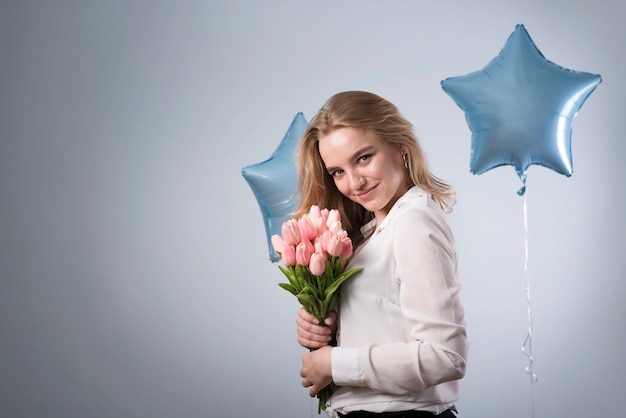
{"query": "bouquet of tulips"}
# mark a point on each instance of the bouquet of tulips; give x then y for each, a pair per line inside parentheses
(315, 250)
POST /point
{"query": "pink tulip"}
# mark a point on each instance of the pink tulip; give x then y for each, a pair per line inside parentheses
(347, 248)
(335, 246)
(317, 264)
(318, 219)
(335, 227)
(303, 252)
(315, 212)
(333, 216)
(278, 243)
(340, 245)
(324, 239)
(320, 225)
(307, 227)
(289, 255)
(319, 246)
(291, 232)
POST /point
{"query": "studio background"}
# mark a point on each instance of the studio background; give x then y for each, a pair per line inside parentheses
(134, 272)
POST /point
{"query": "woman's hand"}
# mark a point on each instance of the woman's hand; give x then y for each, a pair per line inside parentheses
(311, 334)
(316, 370)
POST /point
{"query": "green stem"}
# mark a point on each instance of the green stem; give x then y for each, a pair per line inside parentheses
(323, 395)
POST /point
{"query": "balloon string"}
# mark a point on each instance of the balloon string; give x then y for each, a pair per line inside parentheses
(527, 346)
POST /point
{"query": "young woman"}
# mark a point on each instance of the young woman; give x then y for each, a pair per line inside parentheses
(397, 346)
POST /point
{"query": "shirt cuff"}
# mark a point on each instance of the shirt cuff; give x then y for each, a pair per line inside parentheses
(344, 362)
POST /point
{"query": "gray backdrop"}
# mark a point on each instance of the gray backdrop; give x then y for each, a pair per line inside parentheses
(134, 275)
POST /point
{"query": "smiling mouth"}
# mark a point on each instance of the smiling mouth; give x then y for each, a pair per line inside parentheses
(366, 194)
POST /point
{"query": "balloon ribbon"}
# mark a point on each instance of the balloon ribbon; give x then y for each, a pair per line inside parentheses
(527, 346)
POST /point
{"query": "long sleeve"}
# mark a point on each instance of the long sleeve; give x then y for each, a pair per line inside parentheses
(412, 335)
(426, 273)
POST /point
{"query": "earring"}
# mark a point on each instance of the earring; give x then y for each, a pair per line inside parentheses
(405, 157)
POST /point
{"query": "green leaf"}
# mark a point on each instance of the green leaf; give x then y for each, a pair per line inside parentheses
(317, 294)
(306, 298)
(287, 271)
(290, 274)
(289, 288)
(300, 270)
(311, 304)
(295, 277)
(330, 290)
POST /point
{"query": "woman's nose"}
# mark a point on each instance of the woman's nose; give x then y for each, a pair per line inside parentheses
(357, 180)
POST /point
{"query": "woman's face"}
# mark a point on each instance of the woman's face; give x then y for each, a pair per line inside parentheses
(366, 170)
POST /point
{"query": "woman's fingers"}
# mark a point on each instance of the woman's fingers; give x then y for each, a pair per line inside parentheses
(316, 370)
(311, 334)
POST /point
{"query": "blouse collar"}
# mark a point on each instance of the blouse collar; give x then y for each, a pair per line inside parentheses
(413, 192)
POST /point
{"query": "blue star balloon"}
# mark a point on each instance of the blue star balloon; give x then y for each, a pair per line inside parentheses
(520, 108)
(275, 183)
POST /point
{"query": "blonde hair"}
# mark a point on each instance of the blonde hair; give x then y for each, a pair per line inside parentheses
(361, 110)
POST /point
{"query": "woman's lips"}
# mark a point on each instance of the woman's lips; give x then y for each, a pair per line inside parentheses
(366, 194)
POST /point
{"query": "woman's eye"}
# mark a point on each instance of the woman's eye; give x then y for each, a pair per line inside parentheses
(336, 173)
(364, 157)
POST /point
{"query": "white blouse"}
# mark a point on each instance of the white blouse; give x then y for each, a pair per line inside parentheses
(401, 342)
